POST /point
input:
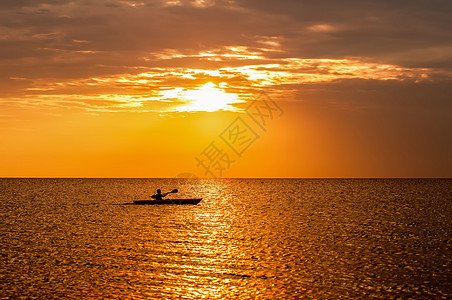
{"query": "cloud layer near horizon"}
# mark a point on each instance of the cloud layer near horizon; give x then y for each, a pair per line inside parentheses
(87, 50)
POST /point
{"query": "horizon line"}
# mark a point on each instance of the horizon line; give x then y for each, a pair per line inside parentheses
(44, 177)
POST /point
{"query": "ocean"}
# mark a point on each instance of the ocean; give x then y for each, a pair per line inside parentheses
(247, 239)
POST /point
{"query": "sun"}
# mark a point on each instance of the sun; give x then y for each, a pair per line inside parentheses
(208, 97)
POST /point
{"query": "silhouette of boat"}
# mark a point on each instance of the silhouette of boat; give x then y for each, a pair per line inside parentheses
(193, 201)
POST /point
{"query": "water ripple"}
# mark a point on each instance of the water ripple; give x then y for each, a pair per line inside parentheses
(247, 239)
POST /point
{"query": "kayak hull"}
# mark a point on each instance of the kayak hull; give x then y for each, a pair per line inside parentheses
(193, 201)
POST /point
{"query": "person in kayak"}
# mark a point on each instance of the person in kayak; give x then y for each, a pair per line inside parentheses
(159, 195)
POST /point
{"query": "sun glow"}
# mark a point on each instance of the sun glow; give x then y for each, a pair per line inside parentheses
(208, 97)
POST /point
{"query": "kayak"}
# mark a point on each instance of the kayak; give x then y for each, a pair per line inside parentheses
(169, 201)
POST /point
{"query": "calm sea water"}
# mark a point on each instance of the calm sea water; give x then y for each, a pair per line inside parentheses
(248, 238)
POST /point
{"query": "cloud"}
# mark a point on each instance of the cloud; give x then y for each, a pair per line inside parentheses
(105, 50)
(381, 31)
(318, 29)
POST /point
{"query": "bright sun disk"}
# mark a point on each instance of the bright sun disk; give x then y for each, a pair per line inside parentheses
(208, 97)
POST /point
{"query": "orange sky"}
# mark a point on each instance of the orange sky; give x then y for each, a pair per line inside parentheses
(124, 88)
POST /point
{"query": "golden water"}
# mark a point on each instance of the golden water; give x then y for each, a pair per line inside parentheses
(248, 238)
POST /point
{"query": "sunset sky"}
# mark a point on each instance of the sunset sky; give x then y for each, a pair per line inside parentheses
(122, 88)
